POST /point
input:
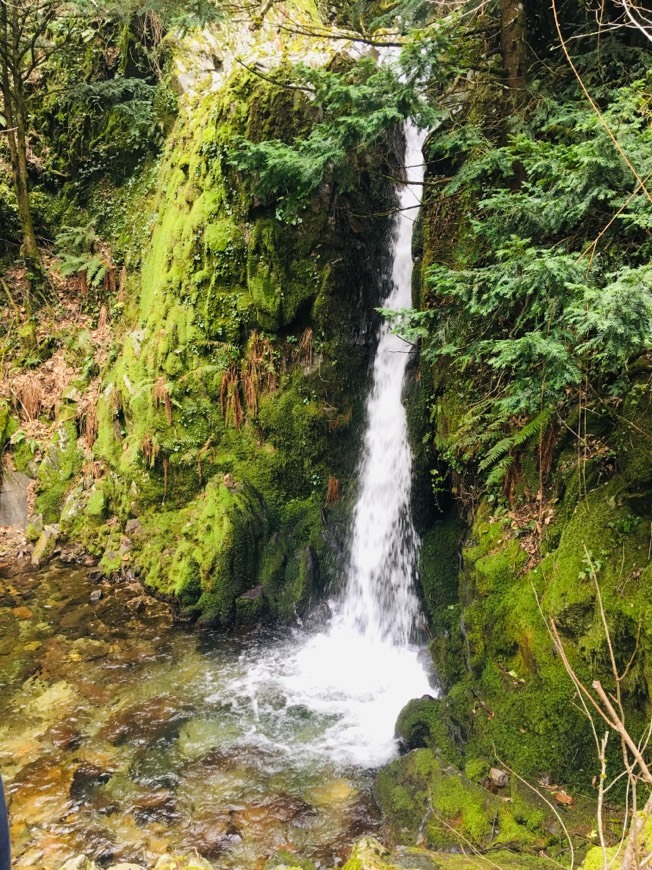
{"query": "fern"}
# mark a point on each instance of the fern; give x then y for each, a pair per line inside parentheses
(499, 472)
(501, 456)
(497, 452)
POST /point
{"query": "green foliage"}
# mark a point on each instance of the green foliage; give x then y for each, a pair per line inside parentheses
(551, 292)
(352, 109)
(78, 248)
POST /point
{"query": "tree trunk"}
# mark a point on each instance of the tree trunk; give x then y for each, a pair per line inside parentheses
(512, 14)
(31, 250)
(13, 97)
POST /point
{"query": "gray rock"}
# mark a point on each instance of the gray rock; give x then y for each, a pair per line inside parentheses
(133, 527)
(96, 595)
(45, 546)
(13, 498)
(499, 777)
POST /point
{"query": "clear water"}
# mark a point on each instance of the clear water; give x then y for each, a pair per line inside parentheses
(124, 736)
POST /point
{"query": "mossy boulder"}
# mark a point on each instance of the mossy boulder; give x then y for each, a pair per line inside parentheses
(421, 723)
(206, 556)
(422, 796)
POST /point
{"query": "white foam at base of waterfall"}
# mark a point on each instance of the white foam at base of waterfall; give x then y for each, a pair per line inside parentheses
(351, 681)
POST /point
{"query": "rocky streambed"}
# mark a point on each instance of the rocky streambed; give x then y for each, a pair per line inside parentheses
(125, 737)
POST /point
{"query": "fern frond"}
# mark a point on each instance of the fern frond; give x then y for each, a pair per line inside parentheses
(499, 472)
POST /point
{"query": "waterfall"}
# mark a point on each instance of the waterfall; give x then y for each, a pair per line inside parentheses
(380, 599)
(351, 680)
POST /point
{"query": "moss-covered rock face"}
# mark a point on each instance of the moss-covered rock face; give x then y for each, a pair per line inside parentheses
(230, 413)
(492, 642)
(427, 801)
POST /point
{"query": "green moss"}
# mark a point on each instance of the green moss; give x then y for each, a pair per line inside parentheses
(96, 504)
(210, 550)
(419, 792)
(55, 474)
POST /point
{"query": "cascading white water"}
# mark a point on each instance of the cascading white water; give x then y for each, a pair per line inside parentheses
(380, 599)
(351, 680)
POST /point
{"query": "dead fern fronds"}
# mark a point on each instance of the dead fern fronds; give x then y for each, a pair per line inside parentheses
(91, 427)
(150, 450)
(103, 319)
(87, 413)
(333, 491)
(230, 402)
(250, 389)
(258, 370)
(162, 397)
(28, 397)
(304, 352)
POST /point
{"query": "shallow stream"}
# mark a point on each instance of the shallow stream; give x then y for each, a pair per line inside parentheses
(124, 736)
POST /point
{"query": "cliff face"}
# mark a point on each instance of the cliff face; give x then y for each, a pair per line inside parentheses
(221, 443)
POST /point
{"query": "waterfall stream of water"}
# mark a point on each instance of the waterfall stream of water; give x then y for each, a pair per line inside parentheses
(359, 672)
(380, 599)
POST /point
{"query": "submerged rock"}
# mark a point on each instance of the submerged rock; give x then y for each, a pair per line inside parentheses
(85, 779)
(288, 861)
(145, 722)
(170, 862)
(80, 862)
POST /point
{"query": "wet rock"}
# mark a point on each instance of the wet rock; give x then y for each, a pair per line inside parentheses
(156, 807)
(96, 594)
(146, 722)
(81, 862)
(288, 861)
(333, 792)
(174, 862)
(126, 867)
(363, 817)
(424, 657)
(64, 735)
(88, 649)
(78, 617)
(23, 613)
(214, 836)
(418, 723)
(413, 859)
(45, 546)
(319, 617)
(85, 780)
(39, 791)
(277, 808)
